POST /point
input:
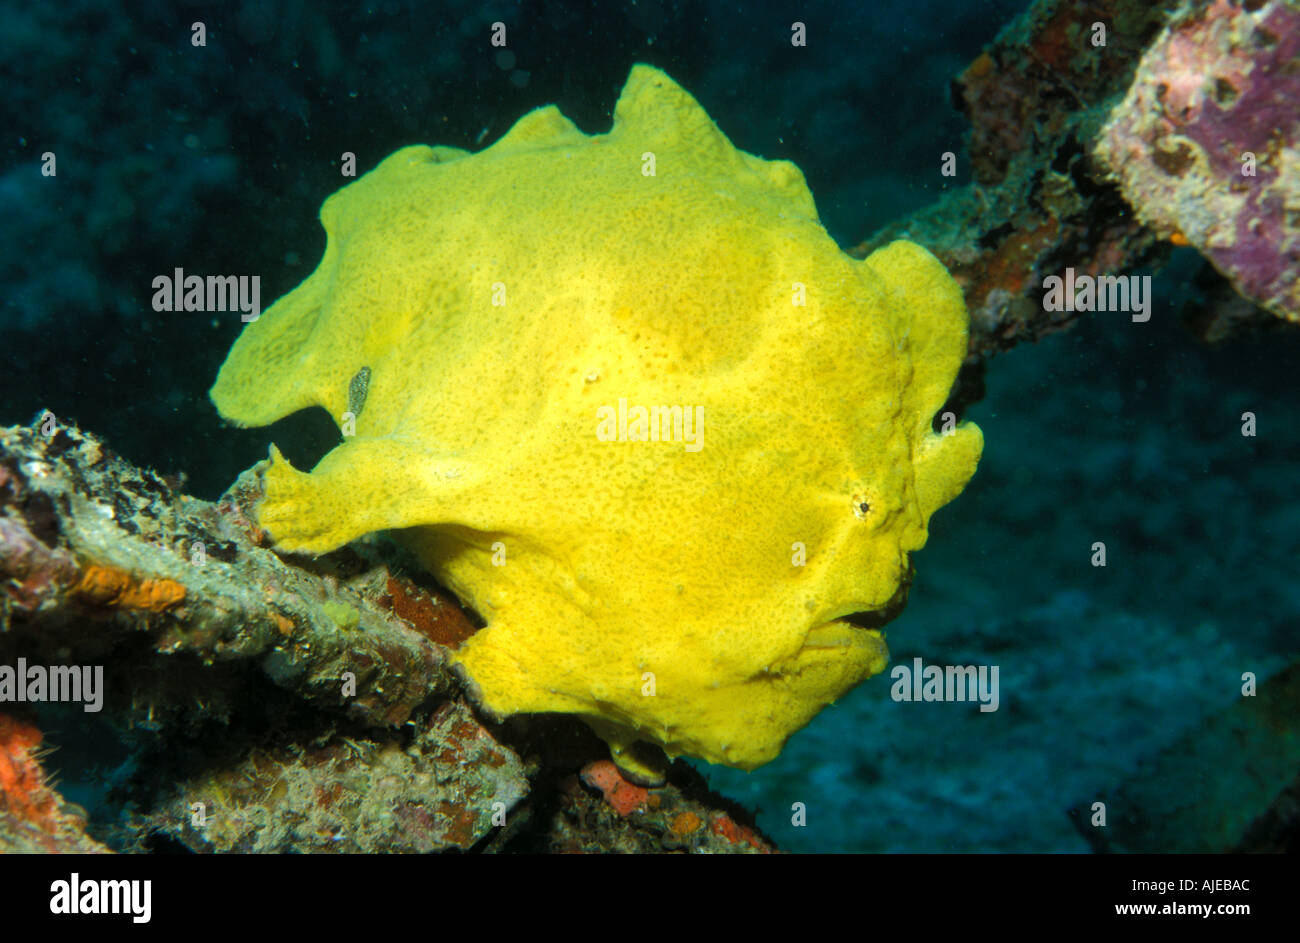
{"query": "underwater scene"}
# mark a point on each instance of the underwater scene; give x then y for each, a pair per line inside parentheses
(654, 426)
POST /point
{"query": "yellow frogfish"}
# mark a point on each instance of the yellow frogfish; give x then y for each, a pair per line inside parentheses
(624, 396)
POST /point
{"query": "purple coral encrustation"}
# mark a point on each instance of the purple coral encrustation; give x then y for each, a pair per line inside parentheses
(1205, 146)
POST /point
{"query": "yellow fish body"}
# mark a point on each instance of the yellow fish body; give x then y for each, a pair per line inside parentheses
(628, 400)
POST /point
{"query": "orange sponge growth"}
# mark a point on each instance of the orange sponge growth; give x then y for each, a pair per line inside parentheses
(109, 586)
(623, 796)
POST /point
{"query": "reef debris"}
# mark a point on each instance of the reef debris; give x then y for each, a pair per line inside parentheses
(87, 538)
(1037, 204)
(34, 818)
(667, 817)
(1206, 144)
(263, 703)
(1065, 111)
(444, 788)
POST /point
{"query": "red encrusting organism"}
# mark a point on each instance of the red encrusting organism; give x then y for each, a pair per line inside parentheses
(23, 790)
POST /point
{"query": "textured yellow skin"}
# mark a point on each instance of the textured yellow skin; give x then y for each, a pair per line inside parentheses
(622, 560)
